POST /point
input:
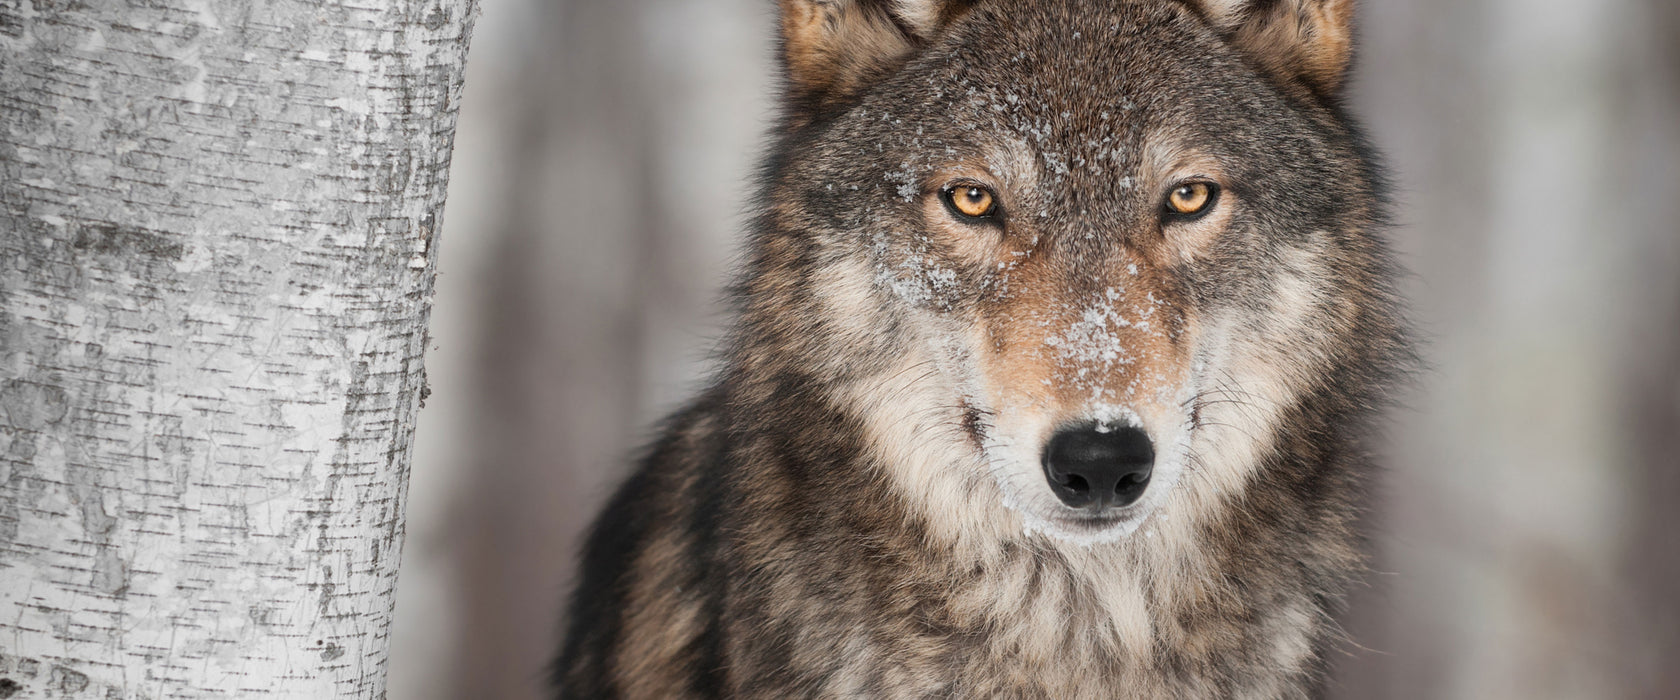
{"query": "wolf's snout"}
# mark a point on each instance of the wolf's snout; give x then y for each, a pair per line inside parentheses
(1098, 469)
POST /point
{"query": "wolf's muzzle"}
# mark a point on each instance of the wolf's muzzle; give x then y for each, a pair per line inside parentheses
(1095, 469)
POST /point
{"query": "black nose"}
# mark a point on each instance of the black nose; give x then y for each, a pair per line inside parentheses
(1097, 469)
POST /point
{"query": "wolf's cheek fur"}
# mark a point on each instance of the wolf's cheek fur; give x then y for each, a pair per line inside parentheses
(1251, 369)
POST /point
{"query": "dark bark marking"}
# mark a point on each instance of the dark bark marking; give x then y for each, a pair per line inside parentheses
(117, 239)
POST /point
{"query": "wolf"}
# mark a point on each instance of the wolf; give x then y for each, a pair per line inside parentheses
(1063, 329)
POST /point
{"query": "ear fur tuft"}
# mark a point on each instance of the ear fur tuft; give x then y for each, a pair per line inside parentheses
(833, 49)
(1306, 42)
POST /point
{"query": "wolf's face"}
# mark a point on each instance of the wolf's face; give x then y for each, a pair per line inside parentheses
(1089, 253)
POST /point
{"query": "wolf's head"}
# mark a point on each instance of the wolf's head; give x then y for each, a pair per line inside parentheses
(1085, 260)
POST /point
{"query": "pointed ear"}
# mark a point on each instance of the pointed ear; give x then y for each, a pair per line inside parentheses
(1307, 42)
(835, 48)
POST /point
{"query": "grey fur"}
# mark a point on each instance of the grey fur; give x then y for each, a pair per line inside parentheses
(850, 510)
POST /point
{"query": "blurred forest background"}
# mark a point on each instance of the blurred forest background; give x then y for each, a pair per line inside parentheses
(1528, 530)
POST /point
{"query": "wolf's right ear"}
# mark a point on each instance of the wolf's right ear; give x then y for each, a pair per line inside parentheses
(834, 48)
(1309, 42)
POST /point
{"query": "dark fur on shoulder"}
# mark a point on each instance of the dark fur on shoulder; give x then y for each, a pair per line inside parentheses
(986, 224)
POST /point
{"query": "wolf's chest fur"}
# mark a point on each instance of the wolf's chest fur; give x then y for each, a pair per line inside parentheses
(1034, 626)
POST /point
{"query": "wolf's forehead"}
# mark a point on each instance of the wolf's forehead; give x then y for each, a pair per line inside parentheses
(1080, 73)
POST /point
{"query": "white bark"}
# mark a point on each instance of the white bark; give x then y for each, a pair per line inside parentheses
(216, 264)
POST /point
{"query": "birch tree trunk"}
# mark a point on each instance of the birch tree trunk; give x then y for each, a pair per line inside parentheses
(217, 225)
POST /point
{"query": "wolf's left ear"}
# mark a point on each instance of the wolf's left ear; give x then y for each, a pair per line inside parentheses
(835, 48)
(1303, 41)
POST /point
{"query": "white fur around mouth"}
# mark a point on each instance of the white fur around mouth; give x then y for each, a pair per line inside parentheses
(1083, 531)
(1089, 530)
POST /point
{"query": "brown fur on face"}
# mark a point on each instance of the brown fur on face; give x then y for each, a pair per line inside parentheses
(857, 506)
(1068, 329)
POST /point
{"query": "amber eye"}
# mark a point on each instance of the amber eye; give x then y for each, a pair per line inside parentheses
(1191, 198)
(971, 201)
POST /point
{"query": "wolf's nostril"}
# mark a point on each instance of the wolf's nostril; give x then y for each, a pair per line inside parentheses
(1097, 469)
(1074, 482)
